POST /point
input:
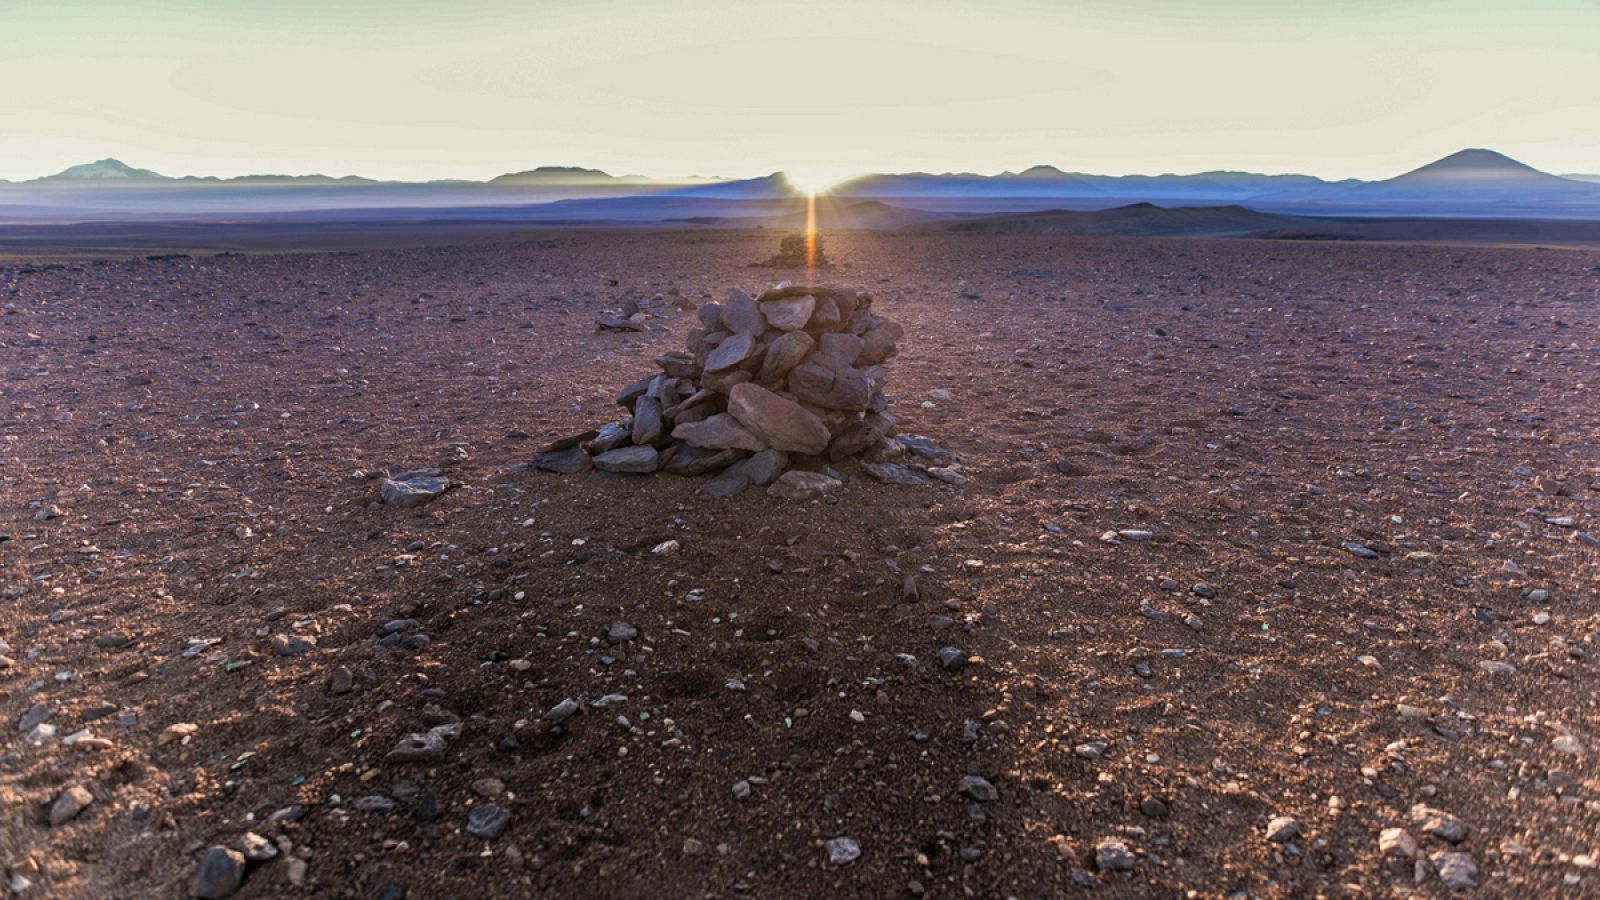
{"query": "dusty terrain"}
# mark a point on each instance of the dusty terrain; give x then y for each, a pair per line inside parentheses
(188, 455)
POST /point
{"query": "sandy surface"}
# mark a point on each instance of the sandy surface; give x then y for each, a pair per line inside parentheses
(208, 430)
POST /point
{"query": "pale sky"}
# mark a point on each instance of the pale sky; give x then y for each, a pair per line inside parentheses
(418, 89)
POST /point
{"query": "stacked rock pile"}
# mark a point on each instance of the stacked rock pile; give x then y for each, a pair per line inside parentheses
(791, 378)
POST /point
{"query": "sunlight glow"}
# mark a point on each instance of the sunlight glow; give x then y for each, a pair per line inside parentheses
(811, 238)
(817, 180)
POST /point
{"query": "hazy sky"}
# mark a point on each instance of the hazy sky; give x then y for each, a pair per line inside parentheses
(472, 88)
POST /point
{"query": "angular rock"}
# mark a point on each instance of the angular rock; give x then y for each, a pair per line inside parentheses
(412, 489)
(728, 484)
(696, 461)
(611, 437)
(823, 381)
(487, 821)
(843, 349)
(762, 468)
(891, 473)
(69, 804)
(742, 315)
(648, 424)
(630, 460)
(778, 422)
(219, 874)
(789, 313)
(730, 353)
(569, 442)
(879, 344)
(783, 354)
(719, 432)
(631, 394)
(797, 485)
(571, 461)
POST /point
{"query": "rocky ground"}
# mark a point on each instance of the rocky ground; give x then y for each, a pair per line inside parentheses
(1275, 575)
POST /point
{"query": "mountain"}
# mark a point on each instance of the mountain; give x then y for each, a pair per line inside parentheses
(769, 187)
(1574, 176)
(1477, 176)
(106, 170)
(563, 176)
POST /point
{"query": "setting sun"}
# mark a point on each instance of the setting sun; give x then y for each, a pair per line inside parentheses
(817, 179)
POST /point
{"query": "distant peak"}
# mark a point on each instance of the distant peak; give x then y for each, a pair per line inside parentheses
(1043, 171)
(1475, 161)
(107, 169)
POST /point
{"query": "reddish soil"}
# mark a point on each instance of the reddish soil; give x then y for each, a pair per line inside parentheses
(209, 430)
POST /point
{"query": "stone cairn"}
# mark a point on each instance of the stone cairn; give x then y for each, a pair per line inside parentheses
(772, 390)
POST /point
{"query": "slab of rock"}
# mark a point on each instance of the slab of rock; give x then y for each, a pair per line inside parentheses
(719, 432)
(570, 441)
(842, 348)
(823, 381)
(783, 354)
(777, 421)
(690, 460)
(762, 468)
(612, 436)
(570, 461)
(647, 422)
(728, 484)
(630, 460)
(799, 485)
(412, 489)
(740, 314)
(1458, 871)
(1438, 823)
(730, 353)
(789, 313)
(893, 473)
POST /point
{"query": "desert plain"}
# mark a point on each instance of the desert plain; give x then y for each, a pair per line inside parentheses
(1274, 574)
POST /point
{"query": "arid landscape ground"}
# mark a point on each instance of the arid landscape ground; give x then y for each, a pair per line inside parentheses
(1268, 550)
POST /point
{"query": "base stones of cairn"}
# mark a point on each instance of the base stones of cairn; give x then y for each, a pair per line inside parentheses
(793, 377)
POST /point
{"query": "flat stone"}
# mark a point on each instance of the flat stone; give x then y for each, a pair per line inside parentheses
(728, 484)
(784, 353)
(688, 460)
(730, 353)
(822, 381)
(789, 313)
(621, 633)
(778, 422)
(762, 468)
(569, 442)
(894, 473)
(741, 314)
(719, 432)
(412, 489)
(631, 394)
(571, 461)
(612, 436)
(631, 460)
(648, 425)
(219, 874)
(797, 485)
(843, 349)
